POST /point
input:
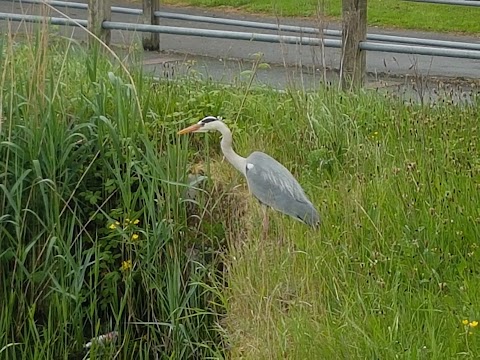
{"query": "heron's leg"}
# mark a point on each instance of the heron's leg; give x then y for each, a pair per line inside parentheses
(265, 222)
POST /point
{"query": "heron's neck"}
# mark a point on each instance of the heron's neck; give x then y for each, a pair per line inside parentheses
(233, 158)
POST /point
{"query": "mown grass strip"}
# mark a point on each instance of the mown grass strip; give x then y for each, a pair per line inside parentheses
(384, 13)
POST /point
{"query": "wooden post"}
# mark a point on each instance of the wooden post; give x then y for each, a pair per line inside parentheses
(98, 12)
(151, 41)
(353, 64)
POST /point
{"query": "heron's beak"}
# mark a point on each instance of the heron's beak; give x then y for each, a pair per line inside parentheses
(190, 129)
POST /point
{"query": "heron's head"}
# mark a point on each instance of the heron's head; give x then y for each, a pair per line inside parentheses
(208, 123)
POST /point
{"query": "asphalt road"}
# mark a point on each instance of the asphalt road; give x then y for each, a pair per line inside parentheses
(302, 63)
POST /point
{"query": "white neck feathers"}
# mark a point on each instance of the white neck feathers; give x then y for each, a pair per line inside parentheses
(233, 158)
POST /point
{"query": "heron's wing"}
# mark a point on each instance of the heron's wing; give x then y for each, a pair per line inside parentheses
(273, 185)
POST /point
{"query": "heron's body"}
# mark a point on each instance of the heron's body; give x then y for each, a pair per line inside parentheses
(268, 180)
(273, 185)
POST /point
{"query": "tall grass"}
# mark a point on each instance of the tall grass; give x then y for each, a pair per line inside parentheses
(93, 212)
(98, 233)
(393, 272)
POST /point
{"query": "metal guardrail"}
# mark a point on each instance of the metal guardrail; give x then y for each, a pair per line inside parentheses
(82, 6)
(222, 34)
(234, 35)
(364, 45)
(450, 2)
(41, 19)
(420, 50)
(270, 26)
(311, 30)
(432, 48)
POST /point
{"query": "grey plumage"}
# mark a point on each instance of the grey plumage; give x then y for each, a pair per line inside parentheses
(268, 180)
(273, 185)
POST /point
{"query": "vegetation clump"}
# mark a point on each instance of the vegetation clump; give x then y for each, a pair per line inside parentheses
(102, 236)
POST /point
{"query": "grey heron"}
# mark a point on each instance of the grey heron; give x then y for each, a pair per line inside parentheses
(268, 180)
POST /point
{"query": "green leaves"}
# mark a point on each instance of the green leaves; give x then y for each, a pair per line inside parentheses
(91, 216)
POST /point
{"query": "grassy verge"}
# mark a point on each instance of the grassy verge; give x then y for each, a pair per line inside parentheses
(386, 13)
(97, 235)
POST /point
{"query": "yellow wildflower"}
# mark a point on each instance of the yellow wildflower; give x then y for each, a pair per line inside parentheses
(114, 225)
(136, 222)
(465, 322)
(135, 237)
(473, 324)
(127, 221)
(126, 265)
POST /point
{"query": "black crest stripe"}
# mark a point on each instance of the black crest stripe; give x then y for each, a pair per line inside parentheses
(209, 119)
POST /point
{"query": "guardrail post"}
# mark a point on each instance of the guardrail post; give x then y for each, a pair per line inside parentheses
(98, 12)
(151, 41)
(353, 63)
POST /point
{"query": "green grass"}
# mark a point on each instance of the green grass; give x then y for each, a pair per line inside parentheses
(392, 272)
(92, 212)
(385, 13)
(394, 269)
